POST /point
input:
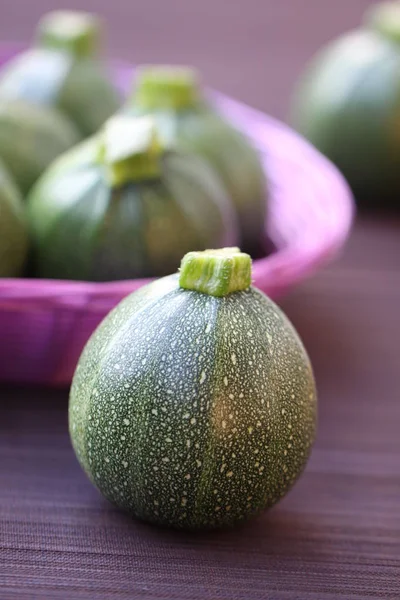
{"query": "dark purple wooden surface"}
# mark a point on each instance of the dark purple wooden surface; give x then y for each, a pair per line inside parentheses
(337, 534)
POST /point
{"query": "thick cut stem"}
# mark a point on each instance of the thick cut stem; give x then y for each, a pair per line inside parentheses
(77, 33)
(216, 272)
(130, 149)
(163, 87)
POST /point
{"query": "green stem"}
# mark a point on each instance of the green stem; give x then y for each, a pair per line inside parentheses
(78, 33)
(385, 19)
(216, 272)
(164, 87)
(130, 149)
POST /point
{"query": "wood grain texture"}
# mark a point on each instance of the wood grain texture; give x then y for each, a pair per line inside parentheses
(337, 534)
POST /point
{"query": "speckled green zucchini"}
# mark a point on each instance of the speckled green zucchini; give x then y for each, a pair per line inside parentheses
(193, 404)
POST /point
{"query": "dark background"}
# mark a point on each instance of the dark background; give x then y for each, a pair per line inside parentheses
(337, 534)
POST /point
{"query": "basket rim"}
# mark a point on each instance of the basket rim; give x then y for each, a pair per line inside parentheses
(274, 273)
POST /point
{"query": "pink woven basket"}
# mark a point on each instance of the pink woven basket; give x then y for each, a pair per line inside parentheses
(44, 324)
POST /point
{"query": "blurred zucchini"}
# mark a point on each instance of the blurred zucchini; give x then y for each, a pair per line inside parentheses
(13, 227)
(172, 95)
(63, 70)
(31, 137)
(347, 103)
(123, 205)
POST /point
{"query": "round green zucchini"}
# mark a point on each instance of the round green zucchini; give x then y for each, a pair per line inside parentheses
(31, 137)
(173, 97)
(193, 404)
(13, 228)
(123, 206)
(347, 104)
(62, 70)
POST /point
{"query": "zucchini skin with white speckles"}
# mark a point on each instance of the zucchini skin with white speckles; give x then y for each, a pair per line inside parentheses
(193, 411)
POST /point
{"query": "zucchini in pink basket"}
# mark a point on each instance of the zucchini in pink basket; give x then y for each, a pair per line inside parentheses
(63, 70)
(122, 205)
(193, 404)
(348, 105)
(184, 116)
(13, 227)
(31, 137)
